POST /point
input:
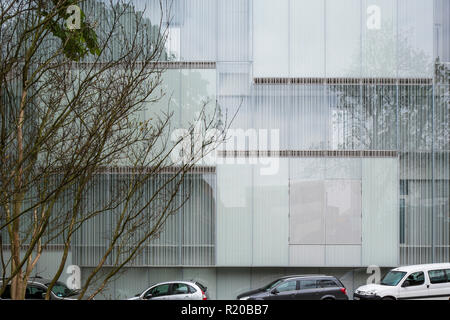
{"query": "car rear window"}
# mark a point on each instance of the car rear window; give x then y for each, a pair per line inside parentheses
(202, 287)
(326, 283)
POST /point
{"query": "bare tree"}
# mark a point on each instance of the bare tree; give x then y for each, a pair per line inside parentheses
(76, 105)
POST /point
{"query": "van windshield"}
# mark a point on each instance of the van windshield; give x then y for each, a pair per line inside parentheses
(392, 278)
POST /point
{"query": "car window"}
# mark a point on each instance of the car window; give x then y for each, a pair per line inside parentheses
(326, 283)
(308, 284)
(34, 292)
(437, 276)
(416, 279)
(180, 288)
(447, 271)
(158, 291)
(290, 285)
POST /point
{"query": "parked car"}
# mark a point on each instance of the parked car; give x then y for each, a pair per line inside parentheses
(37, 288)
(302, 287)
(426, 281)
(174, 290)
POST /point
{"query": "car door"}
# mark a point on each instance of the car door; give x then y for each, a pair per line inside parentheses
(413, 287)
(181, 291)
(158, 292)
(307, 290)
(284, 291)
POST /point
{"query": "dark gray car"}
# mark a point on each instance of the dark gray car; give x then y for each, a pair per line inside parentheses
(303, 287)
(37, 288)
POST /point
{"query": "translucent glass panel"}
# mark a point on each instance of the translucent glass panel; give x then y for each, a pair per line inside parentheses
(442, 30)
(325, 212)
(343, 38)
(308, 118)
(365, 116)
(380, 220)
(270, 215)
(198, 35)
(415, 40)
(306, 221)
(168, 98)
(253, 215)
(192, 27)
(234, 79)
(415, 104)
(198, 92)
(346, 38)
(442, 115)
(343, 211)
(188, 237)
(234, 30)
(325, 208)
(234, 215)
(271, 38)
(379, 38)
(307, 25)
(334, 116)
(272, 110)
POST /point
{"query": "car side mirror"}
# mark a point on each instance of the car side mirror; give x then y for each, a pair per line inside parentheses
(43, 295)
(274, 291)
(406, 284)
(148, 296)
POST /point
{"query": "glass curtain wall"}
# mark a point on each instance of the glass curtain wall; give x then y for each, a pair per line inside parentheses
(324, 75)
(330, 75)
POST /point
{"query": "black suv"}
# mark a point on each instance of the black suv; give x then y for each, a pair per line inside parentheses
(307, 287)
(37, 288)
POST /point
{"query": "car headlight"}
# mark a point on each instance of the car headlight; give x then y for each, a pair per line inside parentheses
(244, 298)
(367, 293)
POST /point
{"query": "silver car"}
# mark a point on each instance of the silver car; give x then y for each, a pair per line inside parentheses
(174, 290)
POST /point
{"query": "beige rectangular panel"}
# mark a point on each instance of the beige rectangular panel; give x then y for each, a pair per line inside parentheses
(343, 212)
(306, 221)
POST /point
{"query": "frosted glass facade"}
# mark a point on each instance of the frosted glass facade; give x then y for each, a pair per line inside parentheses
(346, 38)
(332, 77)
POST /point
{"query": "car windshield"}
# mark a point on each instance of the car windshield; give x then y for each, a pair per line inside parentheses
(271, 285)
(61, 290)
(392, 278)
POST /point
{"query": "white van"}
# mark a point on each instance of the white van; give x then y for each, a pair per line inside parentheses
(424, 281)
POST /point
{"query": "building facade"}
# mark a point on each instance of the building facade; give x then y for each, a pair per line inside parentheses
(339, 156)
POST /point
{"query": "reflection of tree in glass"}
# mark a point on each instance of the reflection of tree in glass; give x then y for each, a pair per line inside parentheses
(386, 53)
(384, 114)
